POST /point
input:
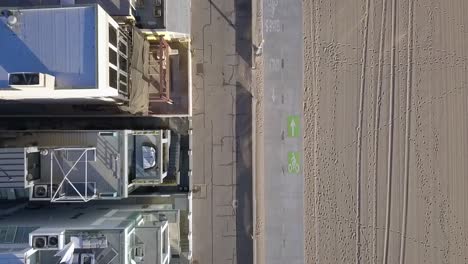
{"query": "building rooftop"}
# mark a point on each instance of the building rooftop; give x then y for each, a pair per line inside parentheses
(61, 166)
(106, 232)
(113, 7)
(144, 87)
(171, 16)
(67, 166)
(57, 41)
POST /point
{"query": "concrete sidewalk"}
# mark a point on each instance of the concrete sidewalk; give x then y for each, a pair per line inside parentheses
(222, 127)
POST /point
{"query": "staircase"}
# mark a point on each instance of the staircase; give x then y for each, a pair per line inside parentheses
(174, 155)
(184, 232)
(184, 245)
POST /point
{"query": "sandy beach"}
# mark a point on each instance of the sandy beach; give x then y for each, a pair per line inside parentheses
(385, 109)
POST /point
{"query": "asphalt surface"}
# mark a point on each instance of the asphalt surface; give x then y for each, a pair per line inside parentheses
(283, 155)
(222, 127)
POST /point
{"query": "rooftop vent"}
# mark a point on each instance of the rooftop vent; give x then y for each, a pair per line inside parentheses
(87, 258)
(53, 241)
(12, 20)
(30, 79)
(39, 242)
(40, 191)
(9, 17)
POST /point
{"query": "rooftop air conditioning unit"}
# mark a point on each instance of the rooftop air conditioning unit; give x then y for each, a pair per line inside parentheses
(47, 242)
(30, 80)
(40, 191)
(39, 242)
(47, 239)
(43, 191)
(53, 241)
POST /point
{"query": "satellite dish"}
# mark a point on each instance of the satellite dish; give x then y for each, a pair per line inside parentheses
(12, 20)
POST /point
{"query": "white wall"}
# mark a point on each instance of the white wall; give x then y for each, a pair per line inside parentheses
(103, 50)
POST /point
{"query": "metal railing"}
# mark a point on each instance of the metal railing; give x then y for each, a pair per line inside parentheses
(59, 195)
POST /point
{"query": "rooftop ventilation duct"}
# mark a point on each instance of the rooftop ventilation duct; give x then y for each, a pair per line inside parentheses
(31, 80)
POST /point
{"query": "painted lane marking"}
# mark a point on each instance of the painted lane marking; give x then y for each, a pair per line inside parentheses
(293, 126)
(294, 162)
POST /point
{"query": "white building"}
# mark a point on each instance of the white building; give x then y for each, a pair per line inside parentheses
(79, 166)
(76, 53)
(99, 234)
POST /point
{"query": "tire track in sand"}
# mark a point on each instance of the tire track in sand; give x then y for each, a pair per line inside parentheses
(409, 79)
(359, 132)
(315, 28)
(376, 124)
(390, 131)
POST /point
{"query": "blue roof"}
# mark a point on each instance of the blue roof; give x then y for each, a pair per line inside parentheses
(57, 41)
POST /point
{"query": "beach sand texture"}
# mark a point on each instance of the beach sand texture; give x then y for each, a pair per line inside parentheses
(386, 135)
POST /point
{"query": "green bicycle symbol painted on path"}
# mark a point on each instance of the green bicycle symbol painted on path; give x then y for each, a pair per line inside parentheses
(294, 162)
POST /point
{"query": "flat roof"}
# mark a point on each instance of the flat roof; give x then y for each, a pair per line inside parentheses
(111, 220)
(175, 16)
(57, 41)
(102, 172)
(69, 156)
(178, 18)
(112, 7)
